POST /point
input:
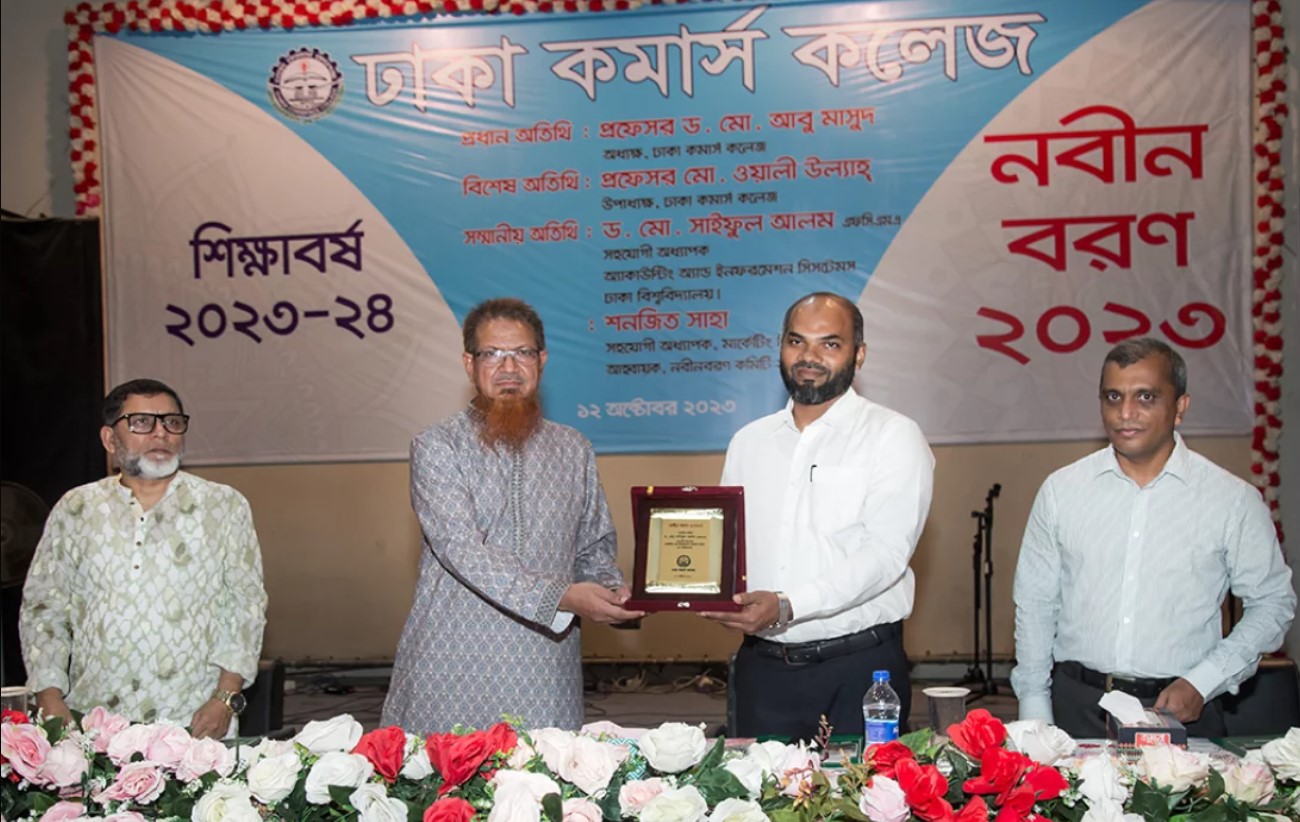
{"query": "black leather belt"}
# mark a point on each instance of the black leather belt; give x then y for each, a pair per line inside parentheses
(1135, 686)
(804, 653)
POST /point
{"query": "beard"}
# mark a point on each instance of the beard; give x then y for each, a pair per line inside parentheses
(145, 467)
(808, 392)
(509, 420)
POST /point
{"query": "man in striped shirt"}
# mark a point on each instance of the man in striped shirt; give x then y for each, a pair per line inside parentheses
(1127, 558)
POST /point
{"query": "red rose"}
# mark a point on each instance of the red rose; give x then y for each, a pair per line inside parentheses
(502, 741)
(1047, 782)
(923, 788)
(978, 732)
(1000, 771)
(449, 809)
(14, 717)
(457, 758)
(1017, 805)
(386, 750)
(975, 811)
(884, 758)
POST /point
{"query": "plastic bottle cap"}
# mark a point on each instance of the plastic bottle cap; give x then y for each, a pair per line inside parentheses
(880, 676)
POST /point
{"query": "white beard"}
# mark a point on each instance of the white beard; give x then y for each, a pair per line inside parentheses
(143, 466)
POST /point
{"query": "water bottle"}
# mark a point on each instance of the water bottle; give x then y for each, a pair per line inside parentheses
(880, 710)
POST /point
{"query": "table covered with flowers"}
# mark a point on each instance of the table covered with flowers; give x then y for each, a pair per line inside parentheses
(981, 769)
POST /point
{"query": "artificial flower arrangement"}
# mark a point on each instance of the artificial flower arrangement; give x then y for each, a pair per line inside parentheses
(105, 767)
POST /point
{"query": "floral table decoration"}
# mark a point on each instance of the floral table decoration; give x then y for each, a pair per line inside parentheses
(104, 767)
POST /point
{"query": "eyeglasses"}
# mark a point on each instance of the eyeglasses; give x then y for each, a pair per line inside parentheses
(496, 356)
(144, 423)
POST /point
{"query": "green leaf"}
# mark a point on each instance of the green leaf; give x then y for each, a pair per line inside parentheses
(42, 802)
(1214, 813)
(1150, 803)
(340, 795)
(719, 784)
(609, 805)
(917, 741)
(713, 758)
(1216, 785)
(414, 813)
(552, 808)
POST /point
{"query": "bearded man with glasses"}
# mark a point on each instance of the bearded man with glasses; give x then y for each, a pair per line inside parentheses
(145, 594)
(519, 544)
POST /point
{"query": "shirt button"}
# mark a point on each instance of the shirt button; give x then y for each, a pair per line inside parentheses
(1135, 533)
(1126, 620)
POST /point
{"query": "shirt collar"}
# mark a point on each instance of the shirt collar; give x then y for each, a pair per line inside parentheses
(1177, 465)
(180, 486)
(841, 411)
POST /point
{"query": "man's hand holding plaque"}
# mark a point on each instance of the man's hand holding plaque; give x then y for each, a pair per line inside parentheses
(759, 610)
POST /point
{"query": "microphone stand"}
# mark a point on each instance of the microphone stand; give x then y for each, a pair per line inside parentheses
(973, 674)
(986, 522)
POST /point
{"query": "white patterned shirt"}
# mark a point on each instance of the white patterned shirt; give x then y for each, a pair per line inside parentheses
(137, 610)
(1130, 580)
(833, 513)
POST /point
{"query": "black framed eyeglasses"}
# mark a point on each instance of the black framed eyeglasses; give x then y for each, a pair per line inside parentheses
(496, 356)
(144, 423)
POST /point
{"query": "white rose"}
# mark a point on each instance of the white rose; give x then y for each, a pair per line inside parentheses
(203, 757)
(1100, 782)
(273, 778)
(738, 810)
(244, 757)
(276, 747)
(676, 805)
(129, 742)
(749, 772)
(1249, 782)
(767, 754)
(1043, 743)
(336, 769)
(674, 746)
(554, 746)
(225, 802)
(417, 765)
(1283, 755)
(634, 795)
(577, 809)
(373, 804)
(795, 772)
(1109, 812)
(518, 796)
(323, 736)
(520, 756)
(1174, 768)
(590, 764)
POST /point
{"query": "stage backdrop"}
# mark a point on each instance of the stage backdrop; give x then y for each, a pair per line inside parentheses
(297, 220)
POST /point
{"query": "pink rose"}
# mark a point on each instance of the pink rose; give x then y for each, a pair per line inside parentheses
(168, 745)
(64, 766)
(139, 782)
(128, 742)
(633, 796)
(581, 810)
(1249, 782)
(63, 812)
(795, 772)
(203, 757)
(126, 816)
(26, 748)
(104, 726)
(884, 801)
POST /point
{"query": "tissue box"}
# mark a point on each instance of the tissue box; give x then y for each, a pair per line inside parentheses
(1158, 728)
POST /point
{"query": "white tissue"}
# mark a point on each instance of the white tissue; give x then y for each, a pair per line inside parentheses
(1124, 707)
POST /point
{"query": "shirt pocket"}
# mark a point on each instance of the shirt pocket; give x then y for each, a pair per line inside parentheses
(836, 497)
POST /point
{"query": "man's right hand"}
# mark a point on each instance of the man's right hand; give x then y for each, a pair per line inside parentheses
(595, 602)
(50, 702)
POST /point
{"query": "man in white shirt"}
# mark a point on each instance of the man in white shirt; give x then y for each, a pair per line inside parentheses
(1127, 558)
(837, 489)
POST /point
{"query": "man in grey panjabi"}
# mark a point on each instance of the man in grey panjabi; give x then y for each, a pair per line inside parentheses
(519, 542)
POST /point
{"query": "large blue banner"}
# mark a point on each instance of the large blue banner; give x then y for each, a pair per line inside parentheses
(661, 185)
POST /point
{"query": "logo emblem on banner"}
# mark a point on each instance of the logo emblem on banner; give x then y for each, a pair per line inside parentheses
(305, 85)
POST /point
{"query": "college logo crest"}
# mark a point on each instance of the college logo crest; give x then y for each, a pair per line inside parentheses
(305, 85)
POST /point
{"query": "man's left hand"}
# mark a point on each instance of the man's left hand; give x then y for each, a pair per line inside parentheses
(1182, 700)
(759, 610)
(212, 719)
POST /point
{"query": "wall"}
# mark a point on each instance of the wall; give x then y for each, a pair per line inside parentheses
(340, 542)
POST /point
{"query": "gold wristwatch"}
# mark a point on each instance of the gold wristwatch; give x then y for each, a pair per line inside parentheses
(233, 700)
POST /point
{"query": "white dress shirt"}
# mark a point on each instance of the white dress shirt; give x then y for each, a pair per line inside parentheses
(1129, 580)
(833, 513)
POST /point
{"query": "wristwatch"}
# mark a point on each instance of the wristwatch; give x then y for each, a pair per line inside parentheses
(785, 611)
(233, 700)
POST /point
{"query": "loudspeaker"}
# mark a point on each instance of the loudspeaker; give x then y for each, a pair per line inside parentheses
(1268, 704)
(264, 712)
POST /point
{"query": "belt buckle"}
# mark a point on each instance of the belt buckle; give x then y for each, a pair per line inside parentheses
(1110, 682)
